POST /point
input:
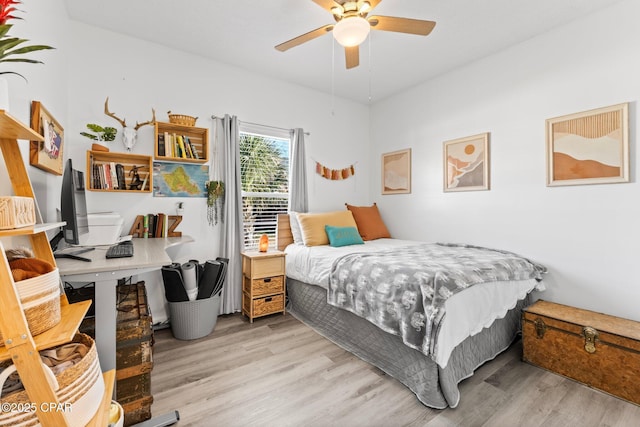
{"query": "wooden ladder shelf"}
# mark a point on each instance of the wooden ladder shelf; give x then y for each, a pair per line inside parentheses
(20, 347)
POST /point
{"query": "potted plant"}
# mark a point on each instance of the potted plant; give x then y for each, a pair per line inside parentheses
(11, 48)
(102, 133)
(215, 201)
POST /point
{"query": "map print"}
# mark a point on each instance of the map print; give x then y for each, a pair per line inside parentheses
(179, 180)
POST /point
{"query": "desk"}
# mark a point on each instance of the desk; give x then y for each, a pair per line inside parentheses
(149, 255)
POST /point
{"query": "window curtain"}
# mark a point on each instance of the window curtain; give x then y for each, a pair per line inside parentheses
(298, 198)
(226, 167)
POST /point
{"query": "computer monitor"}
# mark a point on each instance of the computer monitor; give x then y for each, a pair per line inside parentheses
(73, 205)
(73, 211)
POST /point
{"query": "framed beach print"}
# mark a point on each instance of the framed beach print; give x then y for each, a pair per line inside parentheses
(466, 163)
(591, 147)
(47, 154)
(396, 172)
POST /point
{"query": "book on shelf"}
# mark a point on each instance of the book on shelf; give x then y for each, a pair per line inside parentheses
(114, 176)
(183, 152)
(168, 144)
(194, 151)
(161, 146)
(107, 176)
(122, 182)
(144, 182)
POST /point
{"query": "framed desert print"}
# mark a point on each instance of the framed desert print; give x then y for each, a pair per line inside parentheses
(591, 147)
(46, 155)
(396, 172)
(466, 163)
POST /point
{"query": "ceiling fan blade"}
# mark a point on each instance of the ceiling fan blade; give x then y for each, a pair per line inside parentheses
(352, 56)
(401, 25)
(326, 4)
(304, 38)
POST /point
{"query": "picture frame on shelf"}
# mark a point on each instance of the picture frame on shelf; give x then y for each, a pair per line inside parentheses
(396, 172)
(48, 154)
(466, 163)
(590, 147)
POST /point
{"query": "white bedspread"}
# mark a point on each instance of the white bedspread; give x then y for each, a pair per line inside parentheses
(468, 312)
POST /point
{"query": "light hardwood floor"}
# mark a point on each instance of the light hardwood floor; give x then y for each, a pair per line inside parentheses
(279, 372)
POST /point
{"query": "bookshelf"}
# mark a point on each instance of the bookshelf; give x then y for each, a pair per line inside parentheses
(102, 172)
(170, 136)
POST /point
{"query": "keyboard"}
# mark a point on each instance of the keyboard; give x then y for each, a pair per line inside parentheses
(121, 250)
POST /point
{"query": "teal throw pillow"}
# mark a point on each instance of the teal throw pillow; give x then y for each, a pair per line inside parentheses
(343, 236)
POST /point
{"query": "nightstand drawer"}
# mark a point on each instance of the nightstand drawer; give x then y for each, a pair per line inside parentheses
(263, 267)
(266, 286)
(263, 306)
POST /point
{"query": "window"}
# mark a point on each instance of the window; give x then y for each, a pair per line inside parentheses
(264, 169)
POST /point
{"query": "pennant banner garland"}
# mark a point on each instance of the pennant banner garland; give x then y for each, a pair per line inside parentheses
(335, 174)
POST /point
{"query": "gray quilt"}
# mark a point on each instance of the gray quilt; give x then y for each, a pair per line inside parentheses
(402, 291)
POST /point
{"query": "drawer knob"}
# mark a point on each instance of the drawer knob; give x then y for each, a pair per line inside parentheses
(267, 280)
(268, 299)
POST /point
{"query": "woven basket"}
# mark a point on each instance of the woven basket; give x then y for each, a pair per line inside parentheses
(181, 119)
(16, 212)
(40, 298)
(80, 386)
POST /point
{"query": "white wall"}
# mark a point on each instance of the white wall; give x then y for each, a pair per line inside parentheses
(588, 236)
(47, 83)
(137, 76)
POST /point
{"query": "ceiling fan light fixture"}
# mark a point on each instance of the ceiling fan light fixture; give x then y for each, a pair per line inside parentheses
(364, 7)
(351, 31)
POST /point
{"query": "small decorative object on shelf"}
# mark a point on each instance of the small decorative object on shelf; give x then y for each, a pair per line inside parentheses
(156, 225)
(129, 135)
(181, 119)
(180, 208)
(102, 133)
(263, 246)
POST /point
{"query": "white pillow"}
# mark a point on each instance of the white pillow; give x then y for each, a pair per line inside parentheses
(296, 231)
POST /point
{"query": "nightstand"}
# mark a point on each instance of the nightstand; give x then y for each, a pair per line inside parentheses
(263, 283)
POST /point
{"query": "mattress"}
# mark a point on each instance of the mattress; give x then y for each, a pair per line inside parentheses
(467, 312)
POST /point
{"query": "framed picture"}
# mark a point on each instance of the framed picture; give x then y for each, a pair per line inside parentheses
(47, 154)
(396, 172)
(466, 163)
(591, 147)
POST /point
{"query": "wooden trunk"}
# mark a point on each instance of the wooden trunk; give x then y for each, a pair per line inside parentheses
(598, 350)
(134, 358)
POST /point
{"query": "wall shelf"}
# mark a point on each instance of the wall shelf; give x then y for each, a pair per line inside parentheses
(102, 172)
(170, 136)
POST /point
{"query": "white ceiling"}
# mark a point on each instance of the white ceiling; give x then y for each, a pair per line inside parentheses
(244, 32)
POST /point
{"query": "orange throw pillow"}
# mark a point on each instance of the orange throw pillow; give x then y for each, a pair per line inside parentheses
(369, 222)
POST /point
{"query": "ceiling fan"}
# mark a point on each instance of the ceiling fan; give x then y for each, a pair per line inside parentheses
(353, 25)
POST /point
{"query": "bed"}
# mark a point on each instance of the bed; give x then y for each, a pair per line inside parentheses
(465, 337)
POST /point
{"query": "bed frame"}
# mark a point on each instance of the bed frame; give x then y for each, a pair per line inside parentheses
(434, 386)
(284, 237)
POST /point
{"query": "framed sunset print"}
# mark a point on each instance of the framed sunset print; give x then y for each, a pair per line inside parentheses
(466, 163)
(396, 172)
(590, 147)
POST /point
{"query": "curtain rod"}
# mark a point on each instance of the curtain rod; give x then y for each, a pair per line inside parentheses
(258, 124)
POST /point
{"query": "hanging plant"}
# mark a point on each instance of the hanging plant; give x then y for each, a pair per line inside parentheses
(215, 202)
